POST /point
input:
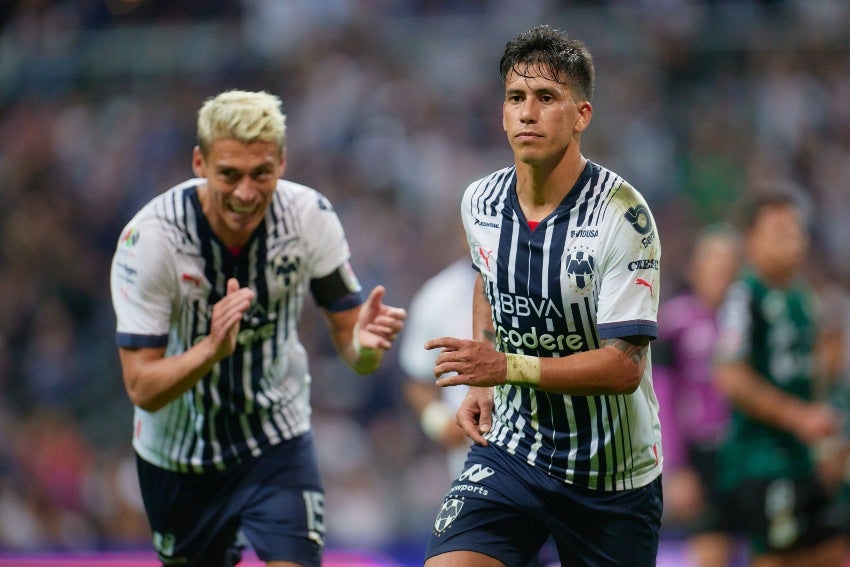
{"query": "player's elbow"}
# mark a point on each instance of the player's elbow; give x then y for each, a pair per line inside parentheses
(147, 403)
(629, 382)
(628, 374)
(142, 397)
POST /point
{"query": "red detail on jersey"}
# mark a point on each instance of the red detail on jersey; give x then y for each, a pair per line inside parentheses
(138, 431)
(532, 224)
(485, 255)
(641, 281)
(655, 452)
(235, 250)
(192, 279)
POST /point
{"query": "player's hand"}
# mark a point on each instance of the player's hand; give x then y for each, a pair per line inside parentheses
(816, 421)
(226, 316)
(378, 325)
(684, 497)
(475, 362)
(475, 414)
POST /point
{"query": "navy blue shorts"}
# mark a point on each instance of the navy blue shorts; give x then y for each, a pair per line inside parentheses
(502, 507)
(275, 501)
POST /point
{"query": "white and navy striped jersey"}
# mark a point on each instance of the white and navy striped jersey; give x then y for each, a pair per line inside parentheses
(169, 270)
(589, 271)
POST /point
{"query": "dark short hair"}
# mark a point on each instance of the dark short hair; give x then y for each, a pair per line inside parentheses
(553, 53)
(753, 206)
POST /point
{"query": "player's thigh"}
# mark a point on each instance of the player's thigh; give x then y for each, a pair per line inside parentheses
(483, 531)
(464, 559)
(282, 505)
(607, 528)
(190, 515)
(490, 513)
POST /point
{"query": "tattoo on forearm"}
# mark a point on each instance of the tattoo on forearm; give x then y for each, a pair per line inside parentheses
(489, 335)
(637, 353)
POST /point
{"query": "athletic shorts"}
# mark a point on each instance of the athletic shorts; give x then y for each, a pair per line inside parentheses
(785, 514)
(504, 508)
(275, 501)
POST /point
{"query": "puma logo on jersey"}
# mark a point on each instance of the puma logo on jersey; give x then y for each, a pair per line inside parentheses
(485, 255)
(643, 282)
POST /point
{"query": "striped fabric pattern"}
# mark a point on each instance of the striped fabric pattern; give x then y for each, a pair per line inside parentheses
(170, 269)
(560, 289)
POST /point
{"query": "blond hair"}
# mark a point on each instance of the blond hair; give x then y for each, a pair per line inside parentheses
(241, 115)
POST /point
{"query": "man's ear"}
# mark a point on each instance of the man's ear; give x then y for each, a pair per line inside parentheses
(198, 162)
(585, 111)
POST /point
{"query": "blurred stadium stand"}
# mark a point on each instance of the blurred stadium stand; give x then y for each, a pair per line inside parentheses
(394, 107)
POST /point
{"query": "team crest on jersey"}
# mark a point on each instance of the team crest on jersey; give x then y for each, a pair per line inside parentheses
(286, 269)
(447, 514)
(579, 267)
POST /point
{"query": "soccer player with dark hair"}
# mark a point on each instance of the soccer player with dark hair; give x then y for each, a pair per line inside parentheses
(208, 283)
(766, 367)
(561, 404)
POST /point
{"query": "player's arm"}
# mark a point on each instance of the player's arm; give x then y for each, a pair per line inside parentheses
(152, 380)
(614, 368)
(361, 334)
(436, 416)
(475, 414)
(755, 396)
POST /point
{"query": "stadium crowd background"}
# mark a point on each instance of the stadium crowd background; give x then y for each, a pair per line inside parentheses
(393, 108)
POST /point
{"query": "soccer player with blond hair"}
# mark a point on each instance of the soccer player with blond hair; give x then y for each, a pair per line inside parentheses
(208, 283)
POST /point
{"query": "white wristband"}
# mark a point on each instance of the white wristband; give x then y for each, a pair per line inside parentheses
(434, 419)
(523, 370)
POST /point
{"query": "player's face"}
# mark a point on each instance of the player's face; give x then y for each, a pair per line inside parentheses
(778, 241)
(713, 268)
(241, 179)
(541, 117)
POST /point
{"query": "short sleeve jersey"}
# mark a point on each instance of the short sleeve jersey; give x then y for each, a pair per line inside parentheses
(168, 271)
(772, 330)
(442, 307)
(588, 272)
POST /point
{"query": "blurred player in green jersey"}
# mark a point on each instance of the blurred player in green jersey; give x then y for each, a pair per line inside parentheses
(767, 369)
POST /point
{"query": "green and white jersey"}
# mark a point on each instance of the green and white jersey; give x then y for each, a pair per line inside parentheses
(773, 330)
